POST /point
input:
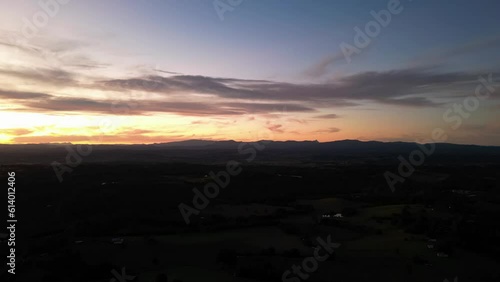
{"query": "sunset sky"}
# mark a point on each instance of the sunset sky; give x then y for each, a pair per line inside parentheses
(123, 71)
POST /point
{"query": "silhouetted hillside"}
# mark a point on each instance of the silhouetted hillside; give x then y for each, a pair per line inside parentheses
(202, 151)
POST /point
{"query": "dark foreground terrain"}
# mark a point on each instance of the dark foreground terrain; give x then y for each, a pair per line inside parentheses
(109, 216)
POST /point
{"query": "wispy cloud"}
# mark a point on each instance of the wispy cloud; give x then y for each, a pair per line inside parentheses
(389, 87)
(322, 67)
(16, 131)
(62, 104)
(443, 56)
(278, 128)
(226, 96)
(329, 130)
(328, 116)
(21, 95)
(41, 75)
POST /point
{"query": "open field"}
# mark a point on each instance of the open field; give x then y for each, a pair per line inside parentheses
(244, 234)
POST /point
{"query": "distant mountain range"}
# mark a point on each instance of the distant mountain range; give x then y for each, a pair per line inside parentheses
(204, 151)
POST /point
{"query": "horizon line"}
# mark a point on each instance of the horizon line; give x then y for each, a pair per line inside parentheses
(239, 141)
